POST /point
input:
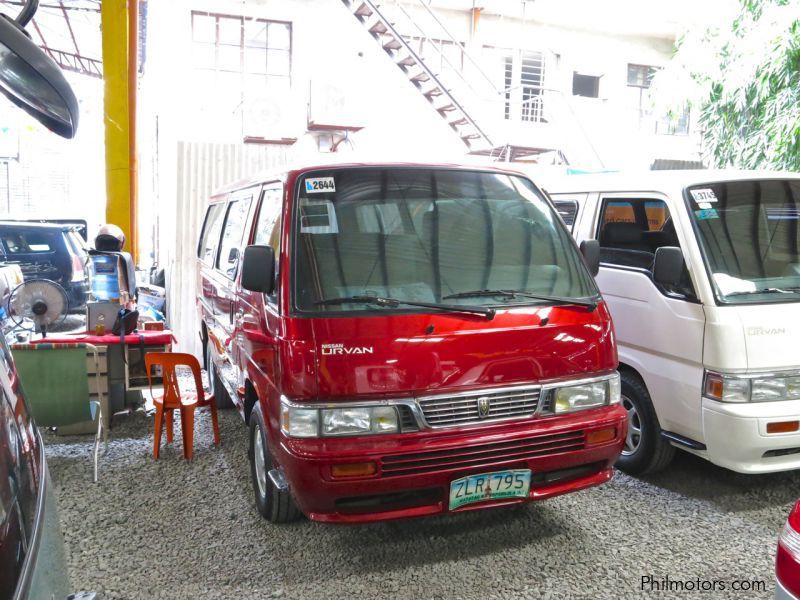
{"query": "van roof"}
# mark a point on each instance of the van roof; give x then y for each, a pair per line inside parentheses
(652, 181)
(320, 163)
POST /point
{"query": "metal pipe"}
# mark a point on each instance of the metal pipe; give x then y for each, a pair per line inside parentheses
(27, 12)
(133, 77)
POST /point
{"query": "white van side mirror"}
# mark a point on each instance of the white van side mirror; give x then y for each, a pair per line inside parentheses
(258, 269)
(668, 265)
(591, 255)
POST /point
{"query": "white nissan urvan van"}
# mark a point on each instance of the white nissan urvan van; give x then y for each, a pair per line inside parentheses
(701, 271)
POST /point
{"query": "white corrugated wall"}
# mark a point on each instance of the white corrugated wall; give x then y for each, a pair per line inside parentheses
(201, 169)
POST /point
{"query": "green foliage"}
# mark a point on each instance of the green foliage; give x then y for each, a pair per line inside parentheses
(748, 89)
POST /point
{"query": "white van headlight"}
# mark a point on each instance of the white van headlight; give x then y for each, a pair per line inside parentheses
(340, 421)
(590, 394)
(758, 388)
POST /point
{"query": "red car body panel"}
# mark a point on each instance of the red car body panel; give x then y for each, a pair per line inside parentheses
(787, 564)
(404, 355)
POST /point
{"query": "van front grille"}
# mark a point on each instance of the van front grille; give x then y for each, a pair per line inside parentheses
(482, 455)
(476, 407)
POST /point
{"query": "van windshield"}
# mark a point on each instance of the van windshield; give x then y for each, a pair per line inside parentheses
(428, 235)
(749, 232)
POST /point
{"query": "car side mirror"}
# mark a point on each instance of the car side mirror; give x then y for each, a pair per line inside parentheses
(32, 80)
(591, 255)
(668, 265)
(258, 269)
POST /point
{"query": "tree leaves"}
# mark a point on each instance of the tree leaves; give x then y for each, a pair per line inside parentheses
(745, 81)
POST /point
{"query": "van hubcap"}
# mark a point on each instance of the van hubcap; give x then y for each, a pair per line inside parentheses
(261, 471)
(634, 437)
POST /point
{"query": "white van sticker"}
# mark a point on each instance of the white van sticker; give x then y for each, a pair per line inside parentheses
(320, 185)
(703, 195)
(704, 205)
(703, 215)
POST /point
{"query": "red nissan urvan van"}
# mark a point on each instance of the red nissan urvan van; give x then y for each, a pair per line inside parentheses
(406, 340)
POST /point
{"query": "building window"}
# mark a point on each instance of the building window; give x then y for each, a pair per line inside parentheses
(523, 84)
(585, 85)
(640, 75)
(676, 123)
(240, 59)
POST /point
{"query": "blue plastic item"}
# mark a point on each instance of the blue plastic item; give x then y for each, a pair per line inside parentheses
(105, 278)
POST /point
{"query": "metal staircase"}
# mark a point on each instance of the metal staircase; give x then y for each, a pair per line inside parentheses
(429, 83)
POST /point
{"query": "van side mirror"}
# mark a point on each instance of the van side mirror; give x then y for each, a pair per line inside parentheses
(258, 269)
(591, 255)
(668, 265)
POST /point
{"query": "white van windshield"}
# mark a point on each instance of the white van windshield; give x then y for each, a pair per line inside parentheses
(458, 237)
(749, 233)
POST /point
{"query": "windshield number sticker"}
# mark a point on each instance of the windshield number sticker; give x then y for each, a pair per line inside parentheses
(703, 215)
(320, 185)
(703, 195)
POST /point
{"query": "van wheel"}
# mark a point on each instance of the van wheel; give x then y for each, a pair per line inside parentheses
(645, 450)
(215, 386)
(275, 505)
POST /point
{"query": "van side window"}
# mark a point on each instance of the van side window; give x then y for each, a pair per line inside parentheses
(630, 231)
(568, 210)
(230, 246)
(268, 225)
(207, 248)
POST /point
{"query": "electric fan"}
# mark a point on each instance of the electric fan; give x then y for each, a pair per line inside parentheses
(41, 301)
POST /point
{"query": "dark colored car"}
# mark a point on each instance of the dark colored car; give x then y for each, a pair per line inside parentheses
(48, 251)
(32, 558)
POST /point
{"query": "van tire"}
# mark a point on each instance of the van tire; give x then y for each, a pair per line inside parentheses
(276, 506)
(215, 386)
(652, 452)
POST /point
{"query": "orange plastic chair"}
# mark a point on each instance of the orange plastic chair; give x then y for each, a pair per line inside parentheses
(173, 399)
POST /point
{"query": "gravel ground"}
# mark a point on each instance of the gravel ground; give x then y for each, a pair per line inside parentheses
(172, 529)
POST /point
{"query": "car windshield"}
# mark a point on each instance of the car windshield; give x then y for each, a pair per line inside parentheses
(429, 235)
(749, 233)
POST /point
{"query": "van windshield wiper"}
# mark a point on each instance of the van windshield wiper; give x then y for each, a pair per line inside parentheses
(590, 304)
(394, 303)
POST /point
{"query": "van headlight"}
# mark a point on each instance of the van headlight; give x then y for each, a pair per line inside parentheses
(341, 421)
(755, 388)
(589, 394)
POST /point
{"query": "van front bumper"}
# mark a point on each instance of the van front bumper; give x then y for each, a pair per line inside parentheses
(736, 436)
(414, 470)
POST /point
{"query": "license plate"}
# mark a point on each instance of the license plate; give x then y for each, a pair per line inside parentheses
(490, 486)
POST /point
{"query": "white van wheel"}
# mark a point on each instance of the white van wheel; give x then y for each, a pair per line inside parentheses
(645, 450)
(634, 437)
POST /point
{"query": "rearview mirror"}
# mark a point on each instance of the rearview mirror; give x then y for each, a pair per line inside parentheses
(668, 265)
(233, 255)
(32, 80)
(258, 269)
(591, 255)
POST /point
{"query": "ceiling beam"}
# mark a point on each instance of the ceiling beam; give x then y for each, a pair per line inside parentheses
(53, 6)
(75, 62)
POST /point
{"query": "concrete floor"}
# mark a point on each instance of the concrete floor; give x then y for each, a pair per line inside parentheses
(172, 529)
